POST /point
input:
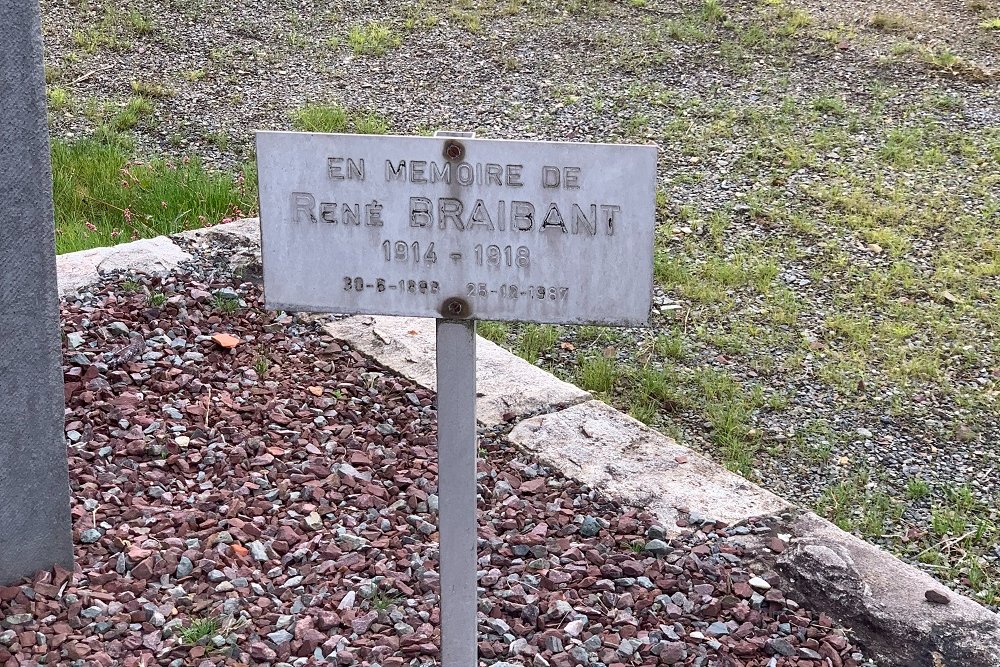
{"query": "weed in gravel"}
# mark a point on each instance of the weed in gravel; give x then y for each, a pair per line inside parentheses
(157, 299)
(261, 362)
(712, 12)
(598, 373)
(815, 439)
(728, 406)
(383, 600)
(151, 89)
(917, 488)
(59, 98)
(198, 629)
(417, 14)
(467, 17)
(134, 111)
(92, 38)
(321, 118)
(945, 60)
(371, 123)
(373, 39)
(669, 346)
(130, 286)
(225, 304)
(891, 22)
(335, 118)
(493, 331)
(535, 340)
(660, 387)
(645, 411)
(829, 104)
(878, 510)
(113, 30)
(990, 24)
(139, 22)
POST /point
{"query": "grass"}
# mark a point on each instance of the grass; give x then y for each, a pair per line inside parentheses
(59, 98)
(535, 341)
(493, 331)
(891, 22)
(335, 118)
(116, 30)
(383, 600)
(151, 89)
(224, 304)
(104, 196)
(261, 362)
(198, 629)
(990, 24)
(917, 489)
(598, 373)
(373, 39)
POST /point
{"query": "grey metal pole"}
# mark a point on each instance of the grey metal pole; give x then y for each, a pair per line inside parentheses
(457, 448)
(35, 525)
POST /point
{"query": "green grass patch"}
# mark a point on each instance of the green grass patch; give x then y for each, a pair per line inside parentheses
(335, 118)
(496, 332)
(598, 373)
(373, 39)
(535, 340)
(198, 629)
(891, 22)
(103, 196)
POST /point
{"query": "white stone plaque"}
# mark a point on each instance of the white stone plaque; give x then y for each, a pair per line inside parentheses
(444, 226)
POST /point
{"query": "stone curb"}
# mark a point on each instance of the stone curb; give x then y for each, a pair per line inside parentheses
(856, 583)
(507, 386)
(883, 600)
(156, 256)
(610, 451)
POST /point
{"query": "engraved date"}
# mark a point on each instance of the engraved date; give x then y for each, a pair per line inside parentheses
(408, 286)
(508, 255)
(513, 291)
(401, 251)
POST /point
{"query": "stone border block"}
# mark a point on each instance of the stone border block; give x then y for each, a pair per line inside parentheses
(156, 256)
(245, 232)
(508, 387)
(610, 451)
(883, 600)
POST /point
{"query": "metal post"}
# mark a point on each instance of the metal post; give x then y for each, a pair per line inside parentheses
(456, 396)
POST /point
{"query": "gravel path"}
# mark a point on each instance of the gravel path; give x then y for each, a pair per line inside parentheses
(246, 491)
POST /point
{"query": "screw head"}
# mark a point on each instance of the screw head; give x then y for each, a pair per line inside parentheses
(454, 150)
(456, 308)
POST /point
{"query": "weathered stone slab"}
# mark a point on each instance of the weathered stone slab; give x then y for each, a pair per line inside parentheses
(156, 256)
(507, 386)
(882, 599)
(241, 241)
(610, 451)
(245, 232)
(35, 521)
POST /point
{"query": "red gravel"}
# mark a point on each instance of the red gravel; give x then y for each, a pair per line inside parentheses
(277, 498)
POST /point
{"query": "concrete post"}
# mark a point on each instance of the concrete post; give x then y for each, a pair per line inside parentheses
(35, 524)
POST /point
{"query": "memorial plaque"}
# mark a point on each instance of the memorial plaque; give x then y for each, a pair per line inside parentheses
(446, 226)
